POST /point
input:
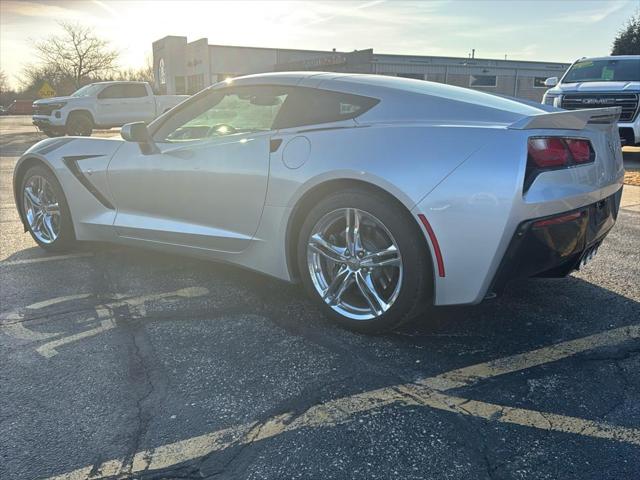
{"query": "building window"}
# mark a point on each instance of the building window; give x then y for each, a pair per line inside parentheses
(180, 86)
(483, 81)
(538, 82)
(196, 83)
(416, 76)
(162, 72)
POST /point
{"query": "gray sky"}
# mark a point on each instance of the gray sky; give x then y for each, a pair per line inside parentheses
(552, 30)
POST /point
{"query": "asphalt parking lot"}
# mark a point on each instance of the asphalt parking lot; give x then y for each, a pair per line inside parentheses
(126, 363)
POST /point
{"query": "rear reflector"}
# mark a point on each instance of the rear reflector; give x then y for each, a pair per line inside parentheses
(567, 217)
(434, 243)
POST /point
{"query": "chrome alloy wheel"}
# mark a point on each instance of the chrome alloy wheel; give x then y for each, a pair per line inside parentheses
(41, 209)
(355, 263)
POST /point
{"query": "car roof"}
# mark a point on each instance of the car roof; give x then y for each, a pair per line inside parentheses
(611, 57)
(330, 80)
(358, 83)
(405, 93)
(109, 82)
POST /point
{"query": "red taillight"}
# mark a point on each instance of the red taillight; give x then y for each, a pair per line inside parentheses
(580, 149)
(555, 152)
(548, 152)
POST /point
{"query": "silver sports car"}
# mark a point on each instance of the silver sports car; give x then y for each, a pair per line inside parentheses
(382, 195)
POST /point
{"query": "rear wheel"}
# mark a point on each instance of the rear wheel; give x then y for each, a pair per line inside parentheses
(79, 125)
(45, 210)
(364, 260)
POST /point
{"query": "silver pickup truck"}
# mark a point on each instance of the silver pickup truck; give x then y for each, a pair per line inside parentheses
(101, 105)
(602, 82)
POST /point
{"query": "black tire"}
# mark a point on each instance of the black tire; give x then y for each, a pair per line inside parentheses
(79, 124)
(66, 236)
(417, 278)
(53, 133)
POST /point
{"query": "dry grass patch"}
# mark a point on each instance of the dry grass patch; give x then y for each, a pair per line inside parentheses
(632, 177)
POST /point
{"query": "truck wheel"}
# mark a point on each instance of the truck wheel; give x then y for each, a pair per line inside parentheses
(79, 125)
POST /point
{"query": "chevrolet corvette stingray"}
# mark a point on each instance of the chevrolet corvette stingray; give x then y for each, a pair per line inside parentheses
(383, 196)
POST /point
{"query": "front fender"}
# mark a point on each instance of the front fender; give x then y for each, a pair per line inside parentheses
(55, 153)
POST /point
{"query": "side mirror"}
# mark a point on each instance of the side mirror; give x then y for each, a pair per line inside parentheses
(135, 132)
(551, 82)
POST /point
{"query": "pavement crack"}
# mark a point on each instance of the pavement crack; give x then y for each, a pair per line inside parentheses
(143, 417)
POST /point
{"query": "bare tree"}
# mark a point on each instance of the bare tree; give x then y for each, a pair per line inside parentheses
(142, 74)
(33, 77)
(4, 83)
(77, 54)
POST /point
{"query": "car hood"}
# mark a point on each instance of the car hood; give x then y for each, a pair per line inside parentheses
(45, 101)
(594, 87)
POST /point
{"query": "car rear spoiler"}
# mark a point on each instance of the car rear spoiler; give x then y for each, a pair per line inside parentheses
(569, 119)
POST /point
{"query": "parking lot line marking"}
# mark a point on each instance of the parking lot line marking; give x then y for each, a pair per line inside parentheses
(19, 331)
(12, 323)
(53, 301)
(426, 396)
(342, 410)
(469, 375)
(27, 261)
(48, 349)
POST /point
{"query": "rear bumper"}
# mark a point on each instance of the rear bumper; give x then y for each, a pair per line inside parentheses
(554, 246)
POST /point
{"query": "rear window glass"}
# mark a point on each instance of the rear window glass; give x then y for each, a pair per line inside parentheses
(135, 90)
(311, 106)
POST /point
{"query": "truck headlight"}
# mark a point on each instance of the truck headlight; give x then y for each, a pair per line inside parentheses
(554, 100)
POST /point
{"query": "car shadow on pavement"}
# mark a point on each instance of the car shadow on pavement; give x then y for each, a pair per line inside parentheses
(15, 144)
(531, 313)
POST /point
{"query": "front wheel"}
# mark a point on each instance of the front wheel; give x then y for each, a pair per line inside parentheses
(51, 133)
(79, 125)
(45, 210)
(365, 261)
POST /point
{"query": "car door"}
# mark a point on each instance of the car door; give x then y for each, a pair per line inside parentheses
(138, 104)
(108, 105)
(204, 183)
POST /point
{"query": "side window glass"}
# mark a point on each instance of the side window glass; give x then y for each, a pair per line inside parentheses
(134, 90)
(310, 106)
(222, 113)
(112, 91)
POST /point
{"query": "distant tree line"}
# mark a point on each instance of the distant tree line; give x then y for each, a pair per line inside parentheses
(75, 57)
(627, 41)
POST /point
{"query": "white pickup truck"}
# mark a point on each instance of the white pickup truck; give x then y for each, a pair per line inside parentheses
(602, 82)
(101, 105)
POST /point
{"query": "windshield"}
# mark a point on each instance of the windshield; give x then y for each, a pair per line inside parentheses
(609, 70)
(87, 90)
